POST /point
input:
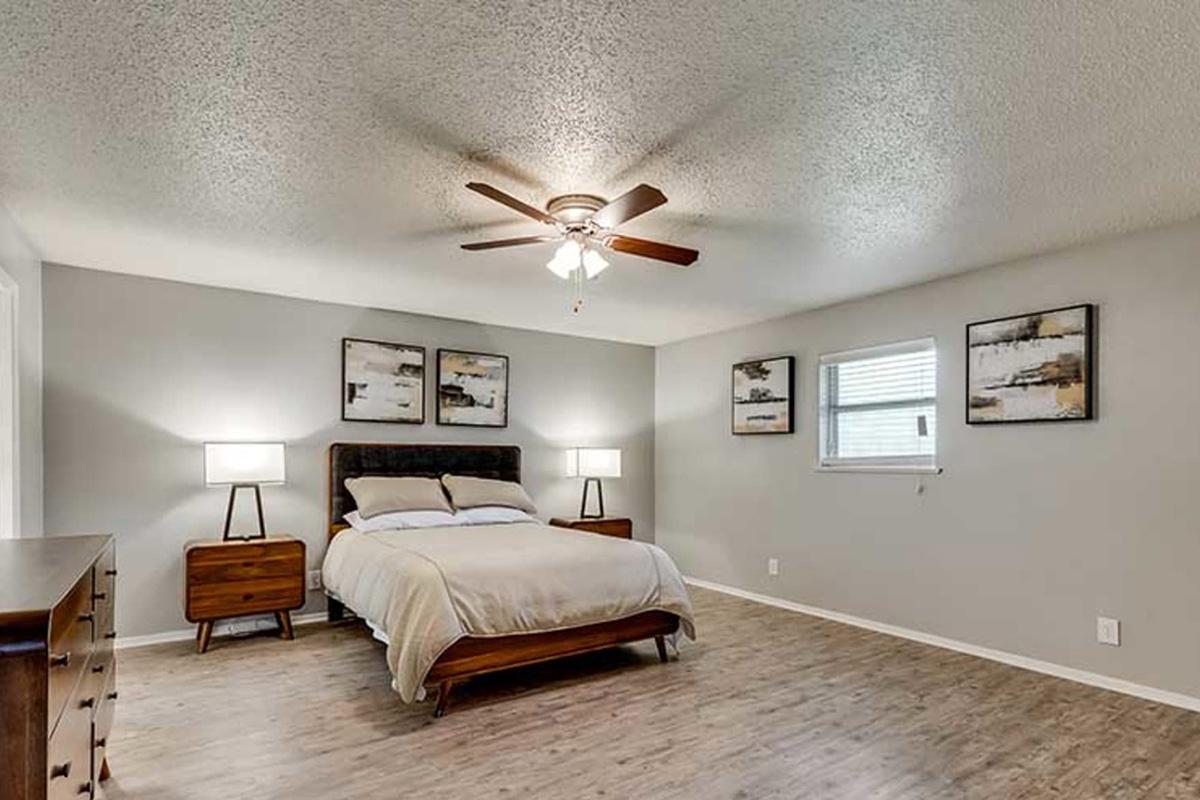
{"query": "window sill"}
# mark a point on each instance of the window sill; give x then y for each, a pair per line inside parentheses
(881, 469)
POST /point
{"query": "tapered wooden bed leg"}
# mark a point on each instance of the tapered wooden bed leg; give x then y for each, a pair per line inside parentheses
(661, 644)
(443, 700)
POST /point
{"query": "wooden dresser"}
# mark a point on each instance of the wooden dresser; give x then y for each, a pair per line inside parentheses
(57, 666)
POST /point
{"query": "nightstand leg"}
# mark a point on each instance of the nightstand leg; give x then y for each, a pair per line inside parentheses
(661, 644)
(105, 773)
(203, 636)
(285, 624)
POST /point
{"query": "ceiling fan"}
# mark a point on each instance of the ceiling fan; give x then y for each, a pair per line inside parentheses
(584, 223)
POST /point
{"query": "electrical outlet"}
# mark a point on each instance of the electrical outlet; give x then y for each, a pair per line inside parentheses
(1108, 631)
(772, 566)
(314, 580)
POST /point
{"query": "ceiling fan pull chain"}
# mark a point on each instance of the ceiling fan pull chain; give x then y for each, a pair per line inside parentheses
(577, 278)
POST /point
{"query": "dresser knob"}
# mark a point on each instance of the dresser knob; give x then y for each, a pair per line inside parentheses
(60, 771)
(112, 573)
(60, 660)
(85, 788)
(110, 635)
(100, 596)
(98, 669)
(89, 702)
(112, 695)
(102, 742)
(247, 597)
(87, 616)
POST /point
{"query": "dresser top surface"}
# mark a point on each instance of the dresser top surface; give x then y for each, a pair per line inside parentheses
(36, 573)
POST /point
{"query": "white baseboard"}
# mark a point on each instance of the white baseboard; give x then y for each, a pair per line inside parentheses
(232, 627)
(1012, 659)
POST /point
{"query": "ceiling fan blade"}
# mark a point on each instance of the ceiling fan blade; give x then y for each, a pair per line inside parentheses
(635, 202)
(494, 243)
(493, 193)
(682, 256)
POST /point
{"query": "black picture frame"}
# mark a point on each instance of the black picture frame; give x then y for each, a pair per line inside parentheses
(1089, 371)
(790, 361)
(441, 389)
(345, 383)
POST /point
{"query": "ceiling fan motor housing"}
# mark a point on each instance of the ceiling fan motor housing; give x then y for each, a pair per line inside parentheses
(574, 209)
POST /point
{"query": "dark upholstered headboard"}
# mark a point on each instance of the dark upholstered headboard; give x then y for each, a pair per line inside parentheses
(353, 460)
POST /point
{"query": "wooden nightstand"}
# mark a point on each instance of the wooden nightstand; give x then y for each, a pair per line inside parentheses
(620, 527)
(235, 578)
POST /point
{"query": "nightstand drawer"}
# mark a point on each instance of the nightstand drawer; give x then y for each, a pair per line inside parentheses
(219, 571)
(234, 551)
(619, 527)
(235, 598)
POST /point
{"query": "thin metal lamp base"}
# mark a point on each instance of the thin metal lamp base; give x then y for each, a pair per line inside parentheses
(262, 528)
(600, 496)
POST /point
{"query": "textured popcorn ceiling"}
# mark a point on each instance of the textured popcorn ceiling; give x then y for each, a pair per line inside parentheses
(813, 151)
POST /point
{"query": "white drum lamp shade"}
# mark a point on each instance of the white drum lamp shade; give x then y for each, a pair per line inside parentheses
(243, 463)
(594, 462)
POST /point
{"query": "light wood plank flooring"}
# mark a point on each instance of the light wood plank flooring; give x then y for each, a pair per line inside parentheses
(768, 704)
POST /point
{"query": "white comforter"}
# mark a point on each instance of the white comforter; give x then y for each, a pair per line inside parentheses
(428, 588)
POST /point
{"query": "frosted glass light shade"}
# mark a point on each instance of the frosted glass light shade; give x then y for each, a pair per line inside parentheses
(243, 462)
(594, 462)
(566, 259)
(593, 263)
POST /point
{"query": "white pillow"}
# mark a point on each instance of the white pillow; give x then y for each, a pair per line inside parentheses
(403, 520)
(492, 515)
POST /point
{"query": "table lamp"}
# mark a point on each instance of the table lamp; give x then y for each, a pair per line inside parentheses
(243, 465)
(592, 464)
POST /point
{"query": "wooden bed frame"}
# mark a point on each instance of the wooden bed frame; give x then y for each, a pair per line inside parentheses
(471, 656)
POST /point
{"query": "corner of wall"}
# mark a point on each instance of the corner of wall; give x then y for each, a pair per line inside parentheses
(23, 264)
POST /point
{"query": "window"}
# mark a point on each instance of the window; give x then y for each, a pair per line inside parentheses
(879, 406)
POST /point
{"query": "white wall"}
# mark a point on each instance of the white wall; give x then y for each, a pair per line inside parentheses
(140, 372)
(21, 263)
(1032, 531)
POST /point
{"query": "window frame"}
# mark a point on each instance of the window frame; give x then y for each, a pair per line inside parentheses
(827, 411)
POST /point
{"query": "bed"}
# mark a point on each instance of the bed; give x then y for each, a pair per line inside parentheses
(456, 602)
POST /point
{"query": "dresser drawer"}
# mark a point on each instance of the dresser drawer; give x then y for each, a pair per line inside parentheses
(104, 714)
(69, 753)
(104, 587)
(102, 657)
(71, 643)
(235, 598)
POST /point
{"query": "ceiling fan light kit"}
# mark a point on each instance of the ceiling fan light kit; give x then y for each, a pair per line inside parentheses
(584, 223)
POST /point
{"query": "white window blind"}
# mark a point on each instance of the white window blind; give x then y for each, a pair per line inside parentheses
(879, 407)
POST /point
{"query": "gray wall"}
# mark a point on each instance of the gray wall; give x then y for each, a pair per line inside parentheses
(1031, 532)
(139, 372)
(19, 259)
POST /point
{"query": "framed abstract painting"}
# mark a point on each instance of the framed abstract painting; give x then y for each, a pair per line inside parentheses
(472, 389)
(1036, 367)
(762, 396)
(382, 382)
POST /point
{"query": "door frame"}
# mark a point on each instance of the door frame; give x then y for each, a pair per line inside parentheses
(10, 409)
